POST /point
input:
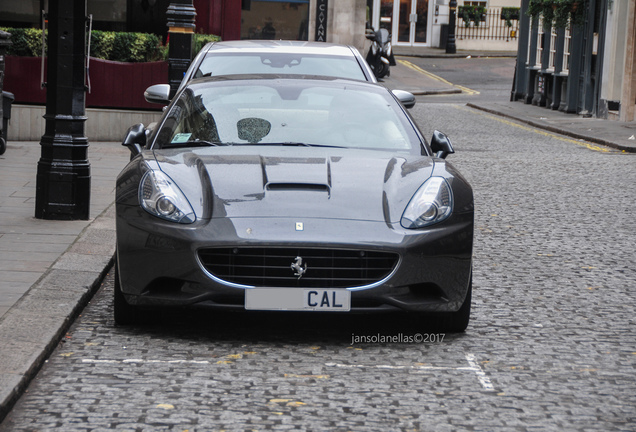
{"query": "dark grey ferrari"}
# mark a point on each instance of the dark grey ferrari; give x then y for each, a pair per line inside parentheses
(287, 194)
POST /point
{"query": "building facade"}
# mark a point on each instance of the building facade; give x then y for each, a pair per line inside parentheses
(585, 65)
(424, 23)
(412, 23)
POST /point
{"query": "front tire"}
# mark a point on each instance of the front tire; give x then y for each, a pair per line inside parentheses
(450, 322)
(382, 70)
(124, 313)
(456, 322)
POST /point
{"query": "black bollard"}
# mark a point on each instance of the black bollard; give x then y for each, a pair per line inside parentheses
(181, 15)
(63, 183)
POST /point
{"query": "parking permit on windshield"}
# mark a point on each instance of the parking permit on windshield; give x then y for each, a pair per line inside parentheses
(181, 138)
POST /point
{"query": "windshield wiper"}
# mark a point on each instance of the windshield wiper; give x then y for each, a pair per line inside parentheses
(299, 144)
(199, 143)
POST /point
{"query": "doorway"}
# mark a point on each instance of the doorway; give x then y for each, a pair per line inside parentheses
(406, 20)
(412, 25)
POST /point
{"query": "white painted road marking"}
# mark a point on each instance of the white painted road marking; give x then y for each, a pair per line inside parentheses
(481, 375)
(473, 366)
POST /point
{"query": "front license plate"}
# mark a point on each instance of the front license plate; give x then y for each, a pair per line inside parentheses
(294, 299)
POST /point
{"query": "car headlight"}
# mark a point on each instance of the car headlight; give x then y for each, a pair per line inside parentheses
(432, 203)
(161, 197)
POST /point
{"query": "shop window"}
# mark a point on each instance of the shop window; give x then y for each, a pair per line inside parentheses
(273, 19)
(553, 47)
(110, 15)
(567, 43)
(22, 13)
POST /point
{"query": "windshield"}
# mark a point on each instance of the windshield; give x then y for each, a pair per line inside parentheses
(280, 63)
(280, 112)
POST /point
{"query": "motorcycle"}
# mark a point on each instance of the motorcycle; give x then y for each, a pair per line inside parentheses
(380, 55)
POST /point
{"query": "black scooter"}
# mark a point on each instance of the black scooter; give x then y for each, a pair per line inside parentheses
(380, 55)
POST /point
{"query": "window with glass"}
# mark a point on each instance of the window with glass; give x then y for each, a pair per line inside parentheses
(281, 112)
(275, 19)
(220, 64)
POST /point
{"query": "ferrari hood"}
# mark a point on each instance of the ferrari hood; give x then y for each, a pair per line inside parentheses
(296, 182)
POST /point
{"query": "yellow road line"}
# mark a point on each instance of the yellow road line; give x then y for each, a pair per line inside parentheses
(585, 144)
(416, 68)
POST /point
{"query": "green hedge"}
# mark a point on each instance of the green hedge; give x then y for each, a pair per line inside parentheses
(26, 42)
(201, 39)
(476, 14)
(116, 46)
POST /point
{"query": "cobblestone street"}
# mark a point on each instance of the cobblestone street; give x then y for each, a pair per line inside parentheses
(551, 344)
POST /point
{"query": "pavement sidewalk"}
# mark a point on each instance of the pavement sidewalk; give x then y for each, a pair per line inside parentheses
(50, 269)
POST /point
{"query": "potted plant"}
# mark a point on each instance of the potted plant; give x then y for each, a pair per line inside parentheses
(558, 13)
(508, 14)
(541, 9)
(470, 13)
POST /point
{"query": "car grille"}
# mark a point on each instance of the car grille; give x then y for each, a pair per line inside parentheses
(272, 267)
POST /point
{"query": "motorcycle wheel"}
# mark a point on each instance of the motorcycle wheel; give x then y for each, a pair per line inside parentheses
(383, 70)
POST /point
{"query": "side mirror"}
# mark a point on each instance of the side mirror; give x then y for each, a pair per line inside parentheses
(135, 139)
(441, 145)
(407, 99)
(158, 93)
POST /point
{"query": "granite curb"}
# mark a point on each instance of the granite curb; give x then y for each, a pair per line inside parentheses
(607, 135)
(430, 52)
(30, 331)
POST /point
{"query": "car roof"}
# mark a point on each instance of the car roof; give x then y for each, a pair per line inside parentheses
(280, 46)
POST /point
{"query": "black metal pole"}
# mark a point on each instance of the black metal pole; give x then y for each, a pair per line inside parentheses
(63, 184)
(5, 42)
(450, 44)
(181, 15)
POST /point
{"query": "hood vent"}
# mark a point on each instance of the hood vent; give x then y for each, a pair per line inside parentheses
(297, 187)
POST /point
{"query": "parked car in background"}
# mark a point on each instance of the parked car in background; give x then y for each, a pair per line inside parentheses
(277, 193)
(265, 57)
(279, 57)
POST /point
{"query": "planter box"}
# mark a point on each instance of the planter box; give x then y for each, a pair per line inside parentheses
(113, 84)
(102, 124)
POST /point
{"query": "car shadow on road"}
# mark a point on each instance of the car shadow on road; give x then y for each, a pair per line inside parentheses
(289, 327)
(204, 324)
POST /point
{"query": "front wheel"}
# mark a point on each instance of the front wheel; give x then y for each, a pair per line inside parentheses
(125, 313)
(382, 70)
(3, 145)
(450, 322)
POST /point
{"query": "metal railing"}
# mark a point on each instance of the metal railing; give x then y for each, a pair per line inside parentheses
(487, 26)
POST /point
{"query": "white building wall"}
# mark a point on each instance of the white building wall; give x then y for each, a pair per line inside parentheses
(614, 57)
(346, 24)
(346, 21)
(618, 76)
(27, 123)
